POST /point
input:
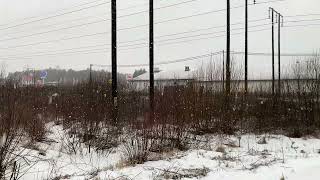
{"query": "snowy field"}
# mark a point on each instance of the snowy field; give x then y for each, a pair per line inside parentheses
(212, 157)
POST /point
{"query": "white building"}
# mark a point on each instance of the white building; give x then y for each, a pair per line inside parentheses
(184, 77)
(163, 79)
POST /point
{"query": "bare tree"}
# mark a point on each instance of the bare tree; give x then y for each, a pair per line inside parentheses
(3, 71)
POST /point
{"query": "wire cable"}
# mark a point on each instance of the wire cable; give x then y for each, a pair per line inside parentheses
(194, 15)
(103, 33)
(55, 30)
(160, 22)
(120, 48)
(270, 54)
(129, 47)
(158, 8)
(54, 16)
(56, 40)
(33, 17)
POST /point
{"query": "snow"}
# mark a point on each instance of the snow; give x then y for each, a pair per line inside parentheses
(2, 139)
(293, 159)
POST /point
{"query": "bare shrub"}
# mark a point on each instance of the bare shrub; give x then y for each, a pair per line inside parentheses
(221, 149)
(3, 72)
(136, 150)
(17, 128)
(181, 174)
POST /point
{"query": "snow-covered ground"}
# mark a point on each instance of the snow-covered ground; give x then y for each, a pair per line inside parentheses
(211, 158)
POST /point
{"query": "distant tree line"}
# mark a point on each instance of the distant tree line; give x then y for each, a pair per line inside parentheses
(64, 76)
(138, 72)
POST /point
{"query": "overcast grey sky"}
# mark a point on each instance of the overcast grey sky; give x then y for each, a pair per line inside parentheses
(301, 39)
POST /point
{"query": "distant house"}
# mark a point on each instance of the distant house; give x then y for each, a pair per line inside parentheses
(163, 79)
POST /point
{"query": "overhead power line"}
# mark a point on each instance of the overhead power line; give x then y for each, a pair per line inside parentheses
(85, 18)
(168, 35)
(96, 51)
(160, 22)
(213, 11)
(270, 54)
(193, 58)
(171, 5)
(158, 8)
(96, 5)
(210, 33)
(56, 24)
(121, 29)
(167, 62)
(143, 45)
(98, 21)
(193, 15)
(185, 32)
(62, 50)
(160, 43)
(55, 30)
(56, 40)
(301, 15)
(212, 54)
(120, 47)
(157, 41)
(102, 33)
(54, 16)
(37, 16)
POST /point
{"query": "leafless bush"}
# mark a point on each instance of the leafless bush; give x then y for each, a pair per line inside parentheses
(21, 123)
(181, 174)
(136, 150)
(3, 72)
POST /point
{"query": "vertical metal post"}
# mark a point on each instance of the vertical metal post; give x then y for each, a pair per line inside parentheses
(273, 78)
(246, 49)
(278, 19)
(114, 58)
(228, 72)
(151, 57)
(114, 51)
(279, 54)
(227, 117)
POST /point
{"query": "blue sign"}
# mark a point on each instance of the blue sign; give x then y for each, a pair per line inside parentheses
(43, 74)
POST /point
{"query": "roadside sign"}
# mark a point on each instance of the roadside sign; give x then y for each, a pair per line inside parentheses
(43, 74)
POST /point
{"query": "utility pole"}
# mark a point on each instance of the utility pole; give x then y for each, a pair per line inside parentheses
(280, 23)
(277, 14)
(228, 72)
(151, 58)
(272, 22)
(114, 57)
(225, 125)
(246, 47)
(246, 50)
